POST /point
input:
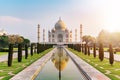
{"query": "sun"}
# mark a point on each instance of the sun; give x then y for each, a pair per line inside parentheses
(111, 16)
(110, 29)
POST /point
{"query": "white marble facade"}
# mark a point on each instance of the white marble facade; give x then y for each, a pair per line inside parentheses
(60, 33)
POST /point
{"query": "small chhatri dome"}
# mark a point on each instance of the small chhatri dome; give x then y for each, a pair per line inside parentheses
(60, 25)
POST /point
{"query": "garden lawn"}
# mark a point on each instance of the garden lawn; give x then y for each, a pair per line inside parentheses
(3, 53)
(112, 71)
(7, 72)
(118, 53)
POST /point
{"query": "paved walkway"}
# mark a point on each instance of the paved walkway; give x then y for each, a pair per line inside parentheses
(31, 71)
(106, 55)
(5, 57)
(88, 69)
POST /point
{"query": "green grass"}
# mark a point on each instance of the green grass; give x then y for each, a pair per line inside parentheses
(106, 49)
(6, 72)
(103, 66)
(13, 48)
(3, 53)
(118, 53)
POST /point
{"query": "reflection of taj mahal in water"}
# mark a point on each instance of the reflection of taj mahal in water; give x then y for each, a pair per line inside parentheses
(60, 33)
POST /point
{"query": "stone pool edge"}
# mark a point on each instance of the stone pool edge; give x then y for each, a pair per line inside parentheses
(31, 71)
(93, 73)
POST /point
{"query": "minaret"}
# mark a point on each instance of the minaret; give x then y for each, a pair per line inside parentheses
(81, 33)
(49, 36)
(43, 35)
(75, 35)
(38, 33)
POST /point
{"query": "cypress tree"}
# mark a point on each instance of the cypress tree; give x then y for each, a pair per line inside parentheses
(94, 50)
(111, 55)
(82, 48)
(19, 40)
(85, 49)
(19, 52)
(79, 47)
(10, 55)
(101, 52)
(26, 51)
(35, 48)
(31, 49)
(38, 48)
(88, 50)
(72, 46)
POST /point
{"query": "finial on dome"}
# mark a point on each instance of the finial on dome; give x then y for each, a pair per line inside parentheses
(59, 18)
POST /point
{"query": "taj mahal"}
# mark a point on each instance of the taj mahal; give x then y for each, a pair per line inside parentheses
(60, 33)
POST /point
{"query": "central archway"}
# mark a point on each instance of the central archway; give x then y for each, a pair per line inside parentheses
(60, 38)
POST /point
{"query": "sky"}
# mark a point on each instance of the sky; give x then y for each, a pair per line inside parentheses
(22, 16)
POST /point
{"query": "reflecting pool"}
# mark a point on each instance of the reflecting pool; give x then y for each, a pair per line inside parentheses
(60, 67)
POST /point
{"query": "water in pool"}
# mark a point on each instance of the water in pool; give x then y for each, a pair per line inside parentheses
(60, 67)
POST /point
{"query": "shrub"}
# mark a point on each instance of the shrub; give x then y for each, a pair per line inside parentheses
(31, 50)
(19, 52)
(111, 55)
(26, 51)
(94, 50)
(10, 54)
(85, 49)
(88, 50)
(101, 52)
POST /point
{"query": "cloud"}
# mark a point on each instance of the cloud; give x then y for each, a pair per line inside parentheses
(14, 21)
(10, 19)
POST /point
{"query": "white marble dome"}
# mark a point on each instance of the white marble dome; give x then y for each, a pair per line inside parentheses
(60, 25)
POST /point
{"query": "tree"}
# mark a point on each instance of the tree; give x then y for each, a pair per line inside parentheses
(111, 55)
(88, 50)
(82, 48)
(101, 36)
(10, 55)
(26, 51)
(26, 41)
(19, 41)
(94, 50)
(106, 37)
(101, 52)
(85, 49)
(11, 40)
(79, 47)
(3, 41)
(38, 48)
(88, 39)
(31, 50)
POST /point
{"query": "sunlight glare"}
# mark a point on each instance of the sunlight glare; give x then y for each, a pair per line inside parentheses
(112, 17)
